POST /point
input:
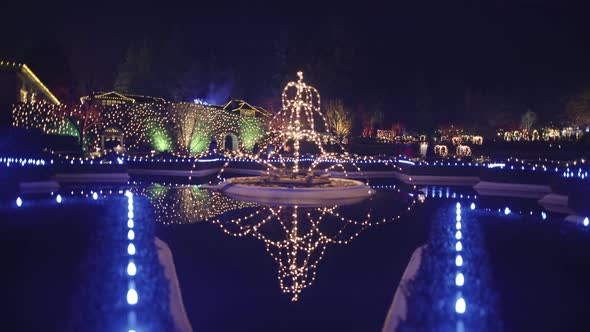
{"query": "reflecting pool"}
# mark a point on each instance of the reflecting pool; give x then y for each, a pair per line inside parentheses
(160, 257)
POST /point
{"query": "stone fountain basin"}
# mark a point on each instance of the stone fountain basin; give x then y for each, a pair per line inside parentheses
(327, 193)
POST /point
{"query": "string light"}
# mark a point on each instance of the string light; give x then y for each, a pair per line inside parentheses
(460, 306)
(131, 249)
(441, 150)
(131, 269)
(302, 243)
(459, 279)
(143, 125)
(297, 248)
(132, 297)
(25, 70)
(459, 261)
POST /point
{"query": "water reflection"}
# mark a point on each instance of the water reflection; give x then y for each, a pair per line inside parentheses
(296, 237)
(187, 204)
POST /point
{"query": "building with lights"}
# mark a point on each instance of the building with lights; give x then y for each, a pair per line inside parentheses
(111, 121)
(244, 109)
(18, 84)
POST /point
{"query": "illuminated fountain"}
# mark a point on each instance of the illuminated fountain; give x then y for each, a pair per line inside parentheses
(293, 176)
(294, 205)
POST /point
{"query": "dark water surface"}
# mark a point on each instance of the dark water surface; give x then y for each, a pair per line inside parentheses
(235, 286)
(65, 265)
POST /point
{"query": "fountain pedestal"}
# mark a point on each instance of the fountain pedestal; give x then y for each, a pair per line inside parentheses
(320, 191)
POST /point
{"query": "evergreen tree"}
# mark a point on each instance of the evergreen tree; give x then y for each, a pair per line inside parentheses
(127, 71)
(135, 74)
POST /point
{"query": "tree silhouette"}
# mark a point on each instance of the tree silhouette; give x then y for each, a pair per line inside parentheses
(577, 110)
(528, 120)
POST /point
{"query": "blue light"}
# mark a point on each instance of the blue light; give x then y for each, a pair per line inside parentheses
(131, 234)
(507, 211)
(543, 215)
(460, 306)
(130, 223)
(586, 221)
(458, 225)
(131, 249)
(94, 196)
(458, 217)
(458, 246)
(472, 206)
(458, 205)
(132, 297)
(459, 279)
(130, 214)
(131, 269)
(458, 235)
(200, 101)
(58, 199)
(501, 165)
(406, 162)
(19, 202)
(459, 260)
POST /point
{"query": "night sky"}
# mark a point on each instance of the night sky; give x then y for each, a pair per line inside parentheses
(529, 54)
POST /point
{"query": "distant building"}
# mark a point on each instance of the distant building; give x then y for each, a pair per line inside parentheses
(112, 98)
(18, 84)
(246, 110)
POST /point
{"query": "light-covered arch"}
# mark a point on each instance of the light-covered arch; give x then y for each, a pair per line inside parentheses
(227, 138)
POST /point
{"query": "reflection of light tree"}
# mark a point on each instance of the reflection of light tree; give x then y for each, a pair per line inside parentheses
(297, 238)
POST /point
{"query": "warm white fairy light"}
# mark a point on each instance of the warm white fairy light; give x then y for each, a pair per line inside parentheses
(299, 121)
(477, 140)
(302, 243)
(297, 248)
(463, 151)
(184, 204)
(185, 128)
(441, 150)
